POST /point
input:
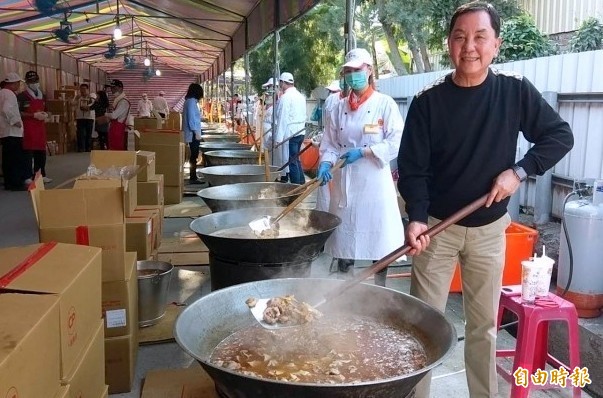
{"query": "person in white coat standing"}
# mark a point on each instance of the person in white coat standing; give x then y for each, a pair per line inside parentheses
(335, 95)
(366, 130)
(291, 119)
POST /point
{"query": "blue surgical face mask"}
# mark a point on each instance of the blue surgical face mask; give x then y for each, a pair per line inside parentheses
(342, 83)
(357, 80)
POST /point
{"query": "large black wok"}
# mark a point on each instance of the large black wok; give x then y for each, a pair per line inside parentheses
(209, 320)
(231, 157)
(249, 194)
(221, 175)
(306, 244)
(219, 146)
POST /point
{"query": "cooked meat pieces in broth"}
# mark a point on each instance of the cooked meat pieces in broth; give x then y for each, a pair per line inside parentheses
(330, 350)
(287, 310)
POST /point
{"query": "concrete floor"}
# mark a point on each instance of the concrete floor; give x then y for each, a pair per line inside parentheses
(18, 227)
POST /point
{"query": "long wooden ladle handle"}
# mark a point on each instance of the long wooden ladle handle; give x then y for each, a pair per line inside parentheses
(393, 256)
(314, 183)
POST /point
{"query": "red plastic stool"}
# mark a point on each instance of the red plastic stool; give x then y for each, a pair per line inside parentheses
(531, 350)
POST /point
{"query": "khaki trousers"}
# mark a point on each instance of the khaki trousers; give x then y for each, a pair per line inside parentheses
(481, 253)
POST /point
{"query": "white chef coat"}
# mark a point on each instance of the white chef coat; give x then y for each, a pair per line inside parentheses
(322, 193)
(144, 108)
(291, 115)
(160, 105)
(363, 194)
(9, 114)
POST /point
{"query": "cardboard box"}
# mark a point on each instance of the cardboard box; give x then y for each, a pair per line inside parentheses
(63, 392)
(29, 347)
(73, 272)
(151, 192)
(160, 210)
(128, 189)
(143, 124)
(93, 217)
(120, 362)
(105, 160)
(120, 302)
(105, 393)
(156, 223)
(174, 121)
(88, 378)
(161, 137)
(172, 195)
(192, 382)
(173, 175)
(139, 235)
(146, 162)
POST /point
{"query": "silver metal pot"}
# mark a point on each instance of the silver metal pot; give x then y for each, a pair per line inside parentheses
(245, 195)
(220, 137)
(221, 175)
(153, 287)
(209, 320)
(231, 157)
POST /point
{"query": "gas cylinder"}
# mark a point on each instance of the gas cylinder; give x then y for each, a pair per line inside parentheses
(584, 223)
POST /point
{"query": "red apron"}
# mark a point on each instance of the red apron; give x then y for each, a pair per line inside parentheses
(34, 130)
(117, 137)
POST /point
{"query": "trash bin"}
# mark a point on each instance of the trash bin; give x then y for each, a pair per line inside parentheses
(153, 286)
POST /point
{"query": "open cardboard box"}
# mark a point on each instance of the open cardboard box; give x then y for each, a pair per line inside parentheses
(92, 217)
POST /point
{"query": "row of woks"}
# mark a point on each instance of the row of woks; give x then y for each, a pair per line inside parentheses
(236, 196)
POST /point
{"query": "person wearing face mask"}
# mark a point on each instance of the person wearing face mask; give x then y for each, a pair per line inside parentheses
(365, 131)
(32, 105)
(11, 134)
(459, 143)
(117, 136)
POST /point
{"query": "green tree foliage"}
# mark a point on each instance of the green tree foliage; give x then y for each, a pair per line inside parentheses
(310, 48)
(589, 36)
(523, 40)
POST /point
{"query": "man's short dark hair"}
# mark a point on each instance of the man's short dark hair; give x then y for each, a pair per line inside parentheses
(476, 6)
(84, 85)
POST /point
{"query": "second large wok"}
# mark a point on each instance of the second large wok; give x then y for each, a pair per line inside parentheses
(232, 174)
(313, 226)
(212, 318)
(250, 194)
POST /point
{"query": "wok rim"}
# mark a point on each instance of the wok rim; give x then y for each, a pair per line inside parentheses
(224, 154)
(238, 185)
(453, 341)
(215, 172)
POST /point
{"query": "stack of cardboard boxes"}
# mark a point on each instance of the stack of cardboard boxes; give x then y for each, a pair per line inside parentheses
(51, 328)
(150, 197)
(96, 213)
(169, 160)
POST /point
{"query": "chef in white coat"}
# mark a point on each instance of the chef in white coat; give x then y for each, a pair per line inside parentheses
(335, 95)
(366, 130)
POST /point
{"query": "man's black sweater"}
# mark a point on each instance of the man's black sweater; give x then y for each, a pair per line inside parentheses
(457, 140)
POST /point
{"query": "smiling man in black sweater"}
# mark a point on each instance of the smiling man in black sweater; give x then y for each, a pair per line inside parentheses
(459, 143)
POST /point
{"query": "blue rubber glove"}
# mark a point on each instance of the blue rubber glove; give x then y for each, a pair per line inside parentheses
(352, 155)
(324, 173)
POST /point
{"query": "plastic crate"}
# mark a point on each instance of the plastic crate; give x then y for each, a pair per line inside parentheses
(520, 246)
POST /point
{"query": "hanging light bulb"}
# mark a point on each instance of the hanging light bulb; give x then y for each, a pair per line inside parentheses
(147, 62)
(157, 72)
(117, 33)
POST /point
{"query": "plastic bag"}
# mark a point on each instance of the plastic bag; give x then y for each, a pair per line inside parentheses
(316, 113)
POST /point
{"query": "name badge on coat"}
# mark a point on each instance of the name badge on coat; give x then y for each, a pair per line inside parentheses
(371, 129)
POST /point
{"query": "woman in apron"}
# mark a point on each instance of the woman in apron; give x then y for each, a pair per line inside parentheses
(33, 106)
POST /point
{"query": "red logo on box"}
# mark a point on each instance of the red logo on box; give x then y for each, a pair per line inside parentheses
(71, 318)
(12, 393)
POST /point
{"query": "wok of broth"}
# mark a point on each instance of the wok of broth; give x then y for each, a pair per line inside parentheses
(330, 350)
